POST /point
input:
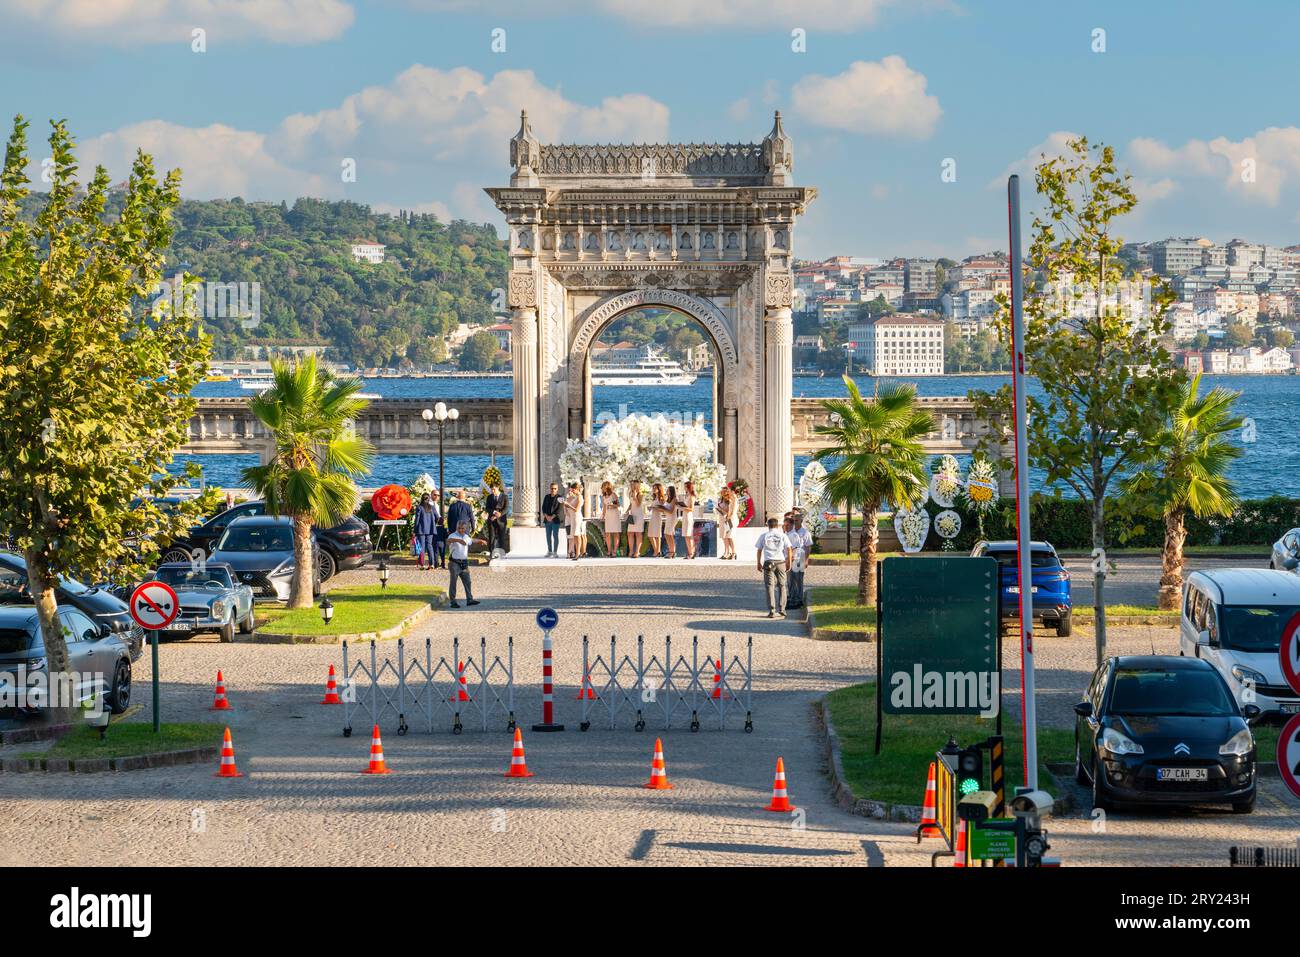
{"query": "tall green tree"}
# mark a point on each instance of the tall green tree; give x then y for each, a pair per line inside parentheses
(1107, 381)
(1185, 470)
(875, 447)
(311, 474)
(94, 385)
(479, 352)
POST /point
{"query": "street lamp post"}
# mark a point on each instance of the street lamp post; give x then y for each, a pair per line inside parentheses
(442, 415)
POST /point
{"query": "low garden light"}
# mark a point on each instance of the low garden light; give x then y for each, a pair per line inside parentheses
(383, 573)
(326, 610)
(98, 714)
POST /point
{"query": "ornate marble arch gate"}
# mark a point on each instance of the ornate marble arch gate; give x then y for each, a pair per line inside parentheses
(597, 231)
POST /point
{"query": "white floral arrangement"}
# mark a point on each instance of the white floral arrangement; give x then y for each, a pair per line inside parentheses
(646, 449)
(912, 525)
(946, 483)
(813, 498)
(424, 485)
(947, 524)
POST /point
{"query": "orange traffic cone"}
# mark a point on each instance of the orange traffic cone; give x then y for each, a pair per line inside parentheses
(658, 773)
(585, 690)
(220, 703)
(959, 845)
(331, 690)
(377, 765)
(929, 809)
(227, 768)
(518, 766)
(718, 693)
(780, 799)
(462, 696)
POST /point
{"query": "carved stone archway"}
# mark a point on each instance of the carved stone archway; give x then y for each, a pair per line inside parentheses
(705, 229)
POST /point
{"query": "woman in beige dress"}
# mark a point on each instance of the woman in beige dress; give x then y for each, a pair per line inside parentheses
(727, 509)
(655, 519)
(613, 517)
(671, 510)
(687, 502)
(635, 519)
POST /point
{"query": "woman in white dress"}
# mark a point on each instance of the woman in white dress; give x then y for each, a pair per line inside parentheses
(575, 520)
(727, 512)
(655, 519)
(688, 518)
(671, 510)
(635, 519)
(613, 517)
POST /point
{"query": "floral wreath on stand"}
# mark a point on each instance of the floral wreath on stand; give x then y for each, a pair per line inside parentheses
(746, 509)
(981, 492)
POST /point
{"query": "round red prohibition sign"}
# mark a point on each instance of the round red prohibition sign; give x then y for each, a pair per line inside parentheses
(1288, 754)
(154, 605)
(1288, 653)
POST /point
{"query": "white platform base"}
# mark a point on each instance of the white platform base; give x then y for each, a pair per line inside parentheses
(530, 542)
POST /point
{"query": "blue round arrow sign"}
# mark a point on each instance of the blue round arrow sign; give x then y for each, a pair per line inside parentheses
(547, 618)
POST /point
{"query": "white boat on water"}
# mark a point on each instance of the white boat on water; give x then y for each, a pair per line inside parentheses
(260, 385)
(646, 368)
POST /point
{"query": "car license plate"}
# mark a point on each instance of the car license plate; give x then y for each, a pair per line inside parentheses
(1015, 589)
(179, 626)
(1289, 708)
(1182, 774)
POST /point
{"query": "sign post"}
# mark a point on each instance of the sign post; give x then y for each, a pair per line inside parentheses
(547, 619)
(154, 606)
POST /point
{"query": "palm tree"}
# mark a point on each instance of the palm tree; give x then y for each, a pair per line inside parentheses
(310, 476)
(876, 447)
(1185, 470)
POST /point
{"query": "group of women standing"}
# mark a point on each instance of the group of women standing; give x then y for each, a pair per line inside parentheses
(647, 518)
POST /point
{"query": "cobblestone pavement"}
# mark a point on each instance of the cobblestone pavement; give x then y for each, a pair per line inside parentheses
(303, 800)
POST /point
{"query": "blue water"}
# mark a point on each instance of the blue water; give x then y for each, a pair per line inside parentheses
(1270, 465)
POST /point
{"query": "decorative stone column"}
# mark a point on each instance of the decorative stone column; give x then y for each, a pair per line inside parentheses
(778, 375)
(523, 351)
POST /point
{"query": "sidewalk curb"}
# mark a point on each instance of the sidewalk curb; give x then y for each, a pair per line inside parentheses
(278, 638)
(843, 794)
(133, 762)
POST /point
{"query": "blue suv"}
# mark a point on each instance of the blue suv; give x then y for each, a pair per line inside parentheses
(1051, 583)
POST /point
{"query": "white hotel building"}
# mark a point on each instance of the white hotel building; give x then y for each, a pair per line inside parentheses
(899, 345)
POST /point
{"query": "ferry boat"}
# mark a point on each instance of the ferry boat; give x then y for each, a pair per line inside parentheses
(646, 368)
(261, 385)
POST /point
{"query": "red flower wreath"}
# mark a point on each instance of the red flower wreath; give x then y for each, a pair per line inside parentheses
(741, 488)
(391, 502)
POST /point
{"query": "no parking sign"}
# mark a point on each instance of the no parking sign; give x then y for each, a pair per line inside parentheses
(1288, 755)
(1288, 653)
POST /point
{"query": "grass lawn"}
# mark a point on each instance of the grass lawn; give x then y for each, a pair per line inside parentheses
(836, 609)
(1143, 611)
(126, 739)
(1259, 551)
(897, 775)
(357, 609)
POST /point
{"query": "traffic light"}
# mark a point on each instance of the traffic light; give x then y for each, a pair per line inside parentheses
(970, 770)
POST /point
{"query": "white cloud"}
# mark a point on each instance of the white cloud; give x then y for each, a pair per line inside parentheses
(1259, 167)
(839, 16)
(886, 98)
(215, 161)
(1056, 145)
(136, 22)
(427, 114)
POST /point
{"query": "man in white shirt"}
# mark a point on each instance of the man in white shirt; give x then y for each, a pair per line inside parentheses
(801, 541)
(774, 558)
(458, 545)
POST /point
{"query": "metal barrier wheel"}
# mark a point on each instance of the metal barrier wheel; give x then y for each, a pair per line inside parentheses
(347, 732)
(584, 726)
(749, 725)
(639, 726)
(695, 724)
(457, 728)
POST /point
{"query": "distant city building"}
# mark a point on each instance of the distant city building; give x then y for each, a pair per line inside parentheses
(833, 310)
(502, 331)
(899, 345)
(363, 251)
(1173, 257)
(919, 277)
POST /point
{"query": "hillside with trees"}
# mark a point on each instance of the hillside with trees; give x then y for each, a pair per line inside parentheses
(435, 275)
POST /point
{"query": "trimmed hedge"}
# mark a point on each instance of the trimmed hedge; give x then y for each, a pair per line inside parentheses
(1067, 523)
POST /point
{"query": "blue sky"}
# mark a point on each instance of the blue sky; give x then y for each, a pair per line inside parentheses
(885, 91)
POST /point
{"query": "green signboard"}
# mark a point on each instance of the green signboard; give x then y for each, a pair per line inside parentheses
(990, 845)
(939, 635)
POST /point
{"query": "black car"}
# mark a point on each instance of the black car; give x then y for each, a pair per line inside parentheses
(346, 545)
(1159, 729)
(100, 604)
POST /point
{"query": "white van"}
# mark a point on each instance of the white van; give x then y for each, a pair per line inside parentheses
(1233, 618)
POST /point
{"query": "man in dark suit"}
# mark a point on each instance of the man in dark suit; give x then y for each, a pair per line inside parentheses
(497, 508)
(460, 511)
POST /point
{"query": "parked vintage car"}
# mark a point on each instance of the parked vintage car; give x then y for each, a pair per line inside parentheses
(346, 545)
(210, 599)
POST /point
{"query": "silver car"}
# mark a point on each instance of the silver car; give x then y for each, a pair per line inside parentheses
(210, 599)
(1286, 553)
(98, 658)
(259, 551)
